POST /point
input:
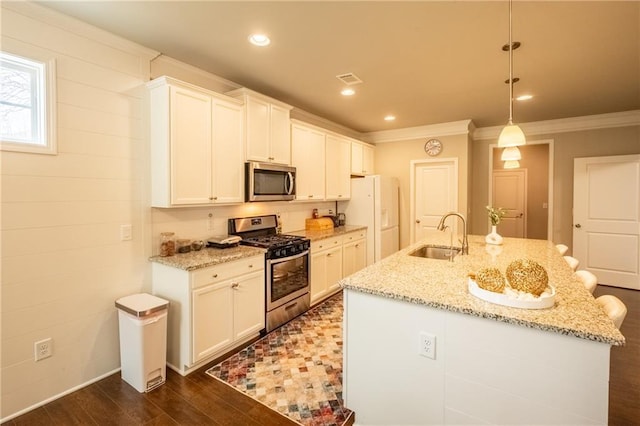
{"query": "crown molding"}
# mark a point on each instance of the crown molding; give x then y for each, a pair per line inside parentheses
(230, 85)
(563, 125)
(462, 127)
(310, 118)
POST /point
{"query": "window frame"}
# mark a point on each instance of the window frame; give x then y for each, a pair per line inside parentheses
(46, 142)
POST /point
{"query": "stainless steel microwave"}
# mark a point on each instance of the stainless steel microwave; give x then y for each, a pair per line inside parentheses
(269, 182)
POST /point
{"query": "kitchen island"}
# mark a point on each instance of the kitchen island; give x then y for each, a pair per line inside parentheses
(491, 364)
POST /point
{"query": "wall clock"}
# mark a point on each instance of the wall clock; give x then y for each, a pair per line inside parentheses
(433, 147)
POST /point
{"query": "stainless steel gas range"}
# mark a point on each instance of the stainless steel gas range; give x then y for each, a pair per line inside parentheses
(286, 266)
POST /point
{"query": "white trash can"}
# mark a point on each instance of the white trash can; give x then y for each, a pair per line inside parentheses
(142, 320)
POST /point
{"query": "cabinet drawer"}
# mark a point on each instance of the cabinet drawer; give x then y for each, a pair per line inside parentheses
(352, 236)
(325, 244)
(225, 271)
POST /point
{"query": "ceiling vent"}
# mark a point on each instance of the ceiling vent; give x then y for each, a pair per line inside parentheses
(349, 78)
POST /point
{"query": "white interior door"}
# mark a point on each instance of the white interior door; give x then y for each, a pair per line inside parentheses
(606, 218)
(510, 193)
(435, 193)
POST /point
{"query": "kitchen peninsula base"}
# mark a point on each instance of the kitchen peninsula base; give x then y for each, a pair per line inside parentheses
(484, 371)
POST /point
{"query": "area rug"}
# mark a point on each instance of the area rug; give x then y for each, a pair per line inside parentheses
(296, 369)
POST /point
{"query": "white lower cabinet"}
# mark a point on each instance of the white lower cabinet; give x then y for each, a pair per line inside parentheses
(326, 267)
(333, 259)
(211, 310)
(354, 253)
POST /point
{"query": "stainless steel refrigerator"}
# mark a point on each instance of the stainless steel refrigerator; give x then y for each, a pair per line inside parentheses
(374, 204)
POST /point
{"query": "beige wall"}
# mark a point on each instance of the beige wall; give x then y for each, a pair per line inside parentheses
(63, 264)
(394, 159)
(567, 146)
(535, 160)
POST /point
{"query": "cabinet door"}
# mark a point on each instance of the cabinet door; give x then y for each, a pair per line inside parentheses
(212, 319)
(334, 268)
(337, 168)
(190, 136)
(318, 284)
(228, 164)
(356, 158)
(367, 159)
(354, 257)
(307, 148)
(280, 135)
(248, 304)
(258, 129)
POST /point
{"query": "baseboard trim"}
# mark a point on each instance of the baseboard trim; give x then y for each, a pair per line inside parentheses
(58, 396)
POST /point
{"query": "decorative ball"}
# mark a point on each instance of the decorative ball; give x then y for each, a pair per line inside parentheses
(528, 276)
(490, 279)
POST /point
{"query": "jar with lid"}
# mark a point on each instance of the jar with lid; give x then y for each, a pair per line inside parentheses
(183, 246)
(167, 244)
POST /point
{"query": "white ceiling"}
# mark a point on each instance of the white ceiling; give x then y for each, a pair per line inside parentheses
(426, 62)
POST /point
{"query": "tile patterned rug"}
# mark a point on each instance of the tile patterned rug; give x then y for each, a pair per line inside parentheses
(296, 369)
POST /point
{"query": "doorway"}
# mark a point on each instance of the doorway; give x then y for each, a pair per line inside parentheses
(510, 193)
(606, 218)
(537, 159)
(434, 192)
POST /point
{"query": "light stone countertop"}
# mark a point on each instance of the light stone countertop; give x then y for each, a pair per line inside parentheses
(443, 284)
(314, 235)
(208, 256)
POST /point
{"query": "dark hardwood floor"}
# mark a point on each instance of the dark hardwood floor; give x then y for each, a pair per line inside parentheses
(201, 400)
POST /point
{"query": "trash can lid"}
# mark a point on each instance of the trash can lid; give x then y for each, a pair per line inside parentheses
(141, 304)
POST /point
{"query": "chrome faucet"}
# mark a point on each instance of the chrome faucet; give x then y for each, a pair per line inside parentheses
(465, 240)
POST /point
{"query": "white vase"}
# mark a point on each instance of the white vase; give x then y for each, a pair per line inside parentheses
(493, 237)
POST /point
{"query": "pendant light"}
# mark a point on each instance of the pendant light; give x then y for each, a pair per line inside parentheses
(511, 153)
(511, 135)
(512, 164)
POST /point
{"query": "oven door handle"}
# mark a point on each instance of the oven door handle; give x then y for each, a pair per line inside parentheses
(286, 259)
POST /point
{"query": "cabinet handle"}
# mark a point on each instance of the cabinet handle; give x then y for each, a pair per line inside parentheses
(214, 276)
(339, 196)
(311, 196)
(234, 285)
(251, 266)
(271, 158)
(210, 198)
(357, 245)
(328, 254)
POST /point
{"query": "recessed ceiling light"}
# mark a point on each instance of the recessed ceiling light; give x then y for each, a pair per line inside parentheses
(348, 92)
(524, 97)
(390, 118)
(259, 39)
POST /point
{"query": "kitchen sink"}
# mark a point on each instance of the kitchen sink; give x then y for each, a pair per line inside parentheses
(436, 252)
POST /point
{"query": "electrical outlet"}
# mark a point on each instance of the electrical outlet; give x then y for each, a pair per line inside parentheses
(427, 346)
(210, 222)
(43, 349)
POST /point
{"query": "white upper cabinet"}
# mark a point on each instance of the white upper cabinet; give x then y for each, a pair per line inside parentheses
(308, 157)
(338, 167)
(361, 159)
(196, 145)
(267, 135)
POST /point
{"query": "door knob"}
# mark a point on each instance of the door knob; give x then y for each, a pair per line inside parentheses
(578, 225)
(417, 220)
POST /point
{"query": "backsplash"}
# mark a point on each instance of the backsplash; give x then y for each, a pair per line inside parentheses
(199, 223)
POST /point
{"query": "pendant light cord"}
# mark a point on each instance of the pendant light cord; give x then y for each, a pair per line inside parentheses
(510, 65)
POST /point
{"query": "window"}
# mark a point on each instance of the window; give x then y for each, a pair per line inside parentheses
(27, 119)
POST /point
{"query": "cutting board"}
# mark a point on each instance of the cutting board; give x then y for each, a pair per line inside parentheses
(318, 224)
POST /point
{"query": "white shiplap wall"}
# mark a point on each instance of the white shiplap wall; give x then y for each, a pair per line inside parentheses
(63, 264)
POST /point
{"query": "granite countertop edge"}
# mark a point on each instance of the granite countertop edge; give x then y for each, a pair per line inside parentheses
(207, 257)
(488, 315)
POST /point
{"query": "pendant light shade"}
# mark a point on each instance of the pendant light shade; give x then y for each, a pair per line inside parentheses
(511, 135)
(511, 164)
(511, 153)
